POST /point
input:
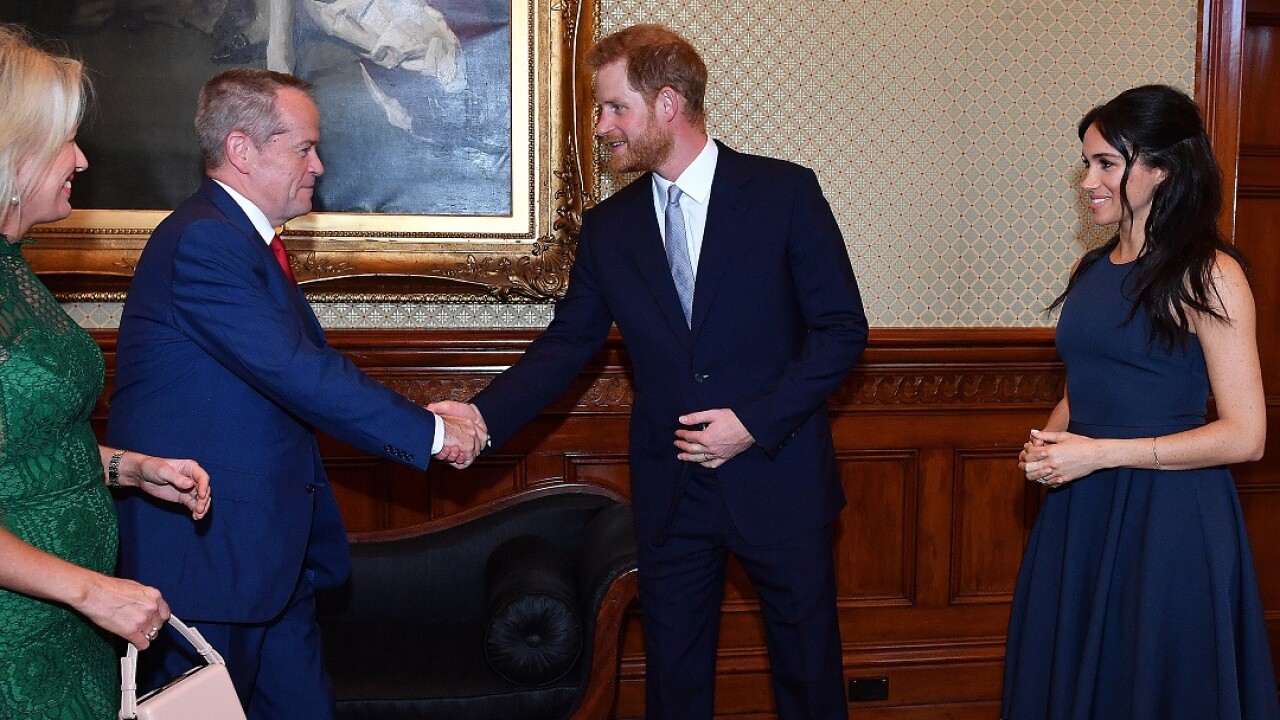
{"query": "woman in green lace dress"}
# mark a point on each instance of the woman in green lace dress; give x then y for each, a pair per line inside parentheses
(59, 605)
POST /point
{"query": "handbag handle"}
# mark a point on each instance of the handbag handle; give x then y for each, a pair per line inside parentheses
(129, 666)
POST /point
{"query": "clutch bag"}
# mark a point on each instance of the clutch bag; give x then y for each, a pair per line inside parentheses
(201, 693)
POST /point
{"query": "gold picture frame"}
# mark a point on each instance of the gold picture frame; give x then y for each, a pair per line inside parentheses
(384, 257)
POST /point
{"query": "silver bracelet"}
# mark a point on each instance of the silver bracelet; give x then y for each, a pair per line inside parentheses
(1155, 455)
(113, 469)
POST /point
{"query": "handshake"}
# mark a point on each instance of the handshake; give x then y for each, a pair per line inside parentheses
(465, 433)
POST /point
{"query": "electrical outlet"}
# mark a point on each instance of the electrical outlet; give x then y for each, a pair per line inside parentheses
(868, 689)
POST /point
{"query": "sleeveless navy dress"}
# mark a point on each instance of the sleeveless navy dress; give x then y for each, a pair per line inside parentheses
(1137, 597)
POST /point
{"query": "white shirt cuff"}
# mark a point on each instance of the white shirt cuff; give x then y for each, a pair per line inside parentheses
(438, 443)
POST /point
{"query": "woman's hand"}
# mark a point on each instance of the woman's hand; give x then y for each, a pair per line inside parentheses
(131, 610)
(1057, 458)
(178, 481)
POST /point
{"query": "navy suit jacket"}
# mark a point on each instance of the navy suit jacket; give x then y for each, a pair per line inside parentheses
(777, 324)
(220, 359)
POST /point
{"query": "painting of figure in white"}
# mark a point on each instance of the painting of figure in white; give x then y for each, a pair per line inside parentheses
(414, 95)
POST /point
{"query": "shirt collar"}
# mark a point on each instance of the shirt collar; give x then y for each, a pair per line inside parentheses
(695, 181)
(255, 215)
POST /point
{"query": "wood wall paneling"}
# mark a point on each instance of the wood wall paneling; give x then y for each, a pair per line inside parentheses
(993, 509)
(876, 550)
(1258, 234)
(927, 431)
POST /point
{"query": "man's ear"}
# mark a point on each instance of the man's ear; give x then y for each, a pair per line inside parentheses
(239, 149)
(669, 103)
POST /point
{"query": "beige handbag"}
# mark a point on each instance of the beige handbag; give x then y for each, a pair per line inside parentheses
(201, 693)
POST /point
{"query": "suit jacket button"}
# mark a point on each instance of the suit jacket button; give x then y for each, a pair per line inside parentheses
(311, 488)
(699, 377)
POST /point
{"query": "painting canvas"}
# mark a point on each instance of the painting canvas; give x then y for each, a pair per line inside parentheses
(450, 134)
(415, 96)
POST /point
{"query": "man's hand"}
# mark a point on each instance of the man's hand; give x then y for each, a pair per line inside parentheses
(465, 433)
(722, 437)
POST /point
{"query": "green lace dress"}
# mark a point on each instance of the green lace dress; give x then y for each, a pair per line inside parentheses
(53, 663)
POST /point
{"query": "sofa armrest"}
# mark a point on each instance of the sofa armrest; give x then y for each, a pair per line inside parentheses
(606, 549)
(607, 586)
(534, 625)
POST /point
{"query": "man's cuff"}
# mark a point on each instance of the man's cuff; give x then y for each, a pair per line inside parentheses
(438, 443)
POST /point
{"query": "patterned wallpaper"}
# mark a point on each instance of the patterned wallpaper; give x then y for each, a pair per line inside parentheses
(943, 132)
(408, 316)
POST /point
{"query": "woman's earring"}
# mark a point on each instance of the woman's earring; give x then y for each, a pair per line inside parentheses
(15, 200)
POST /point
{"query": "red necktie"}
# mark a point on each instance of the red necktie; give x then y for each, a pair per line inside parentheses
(277, 249)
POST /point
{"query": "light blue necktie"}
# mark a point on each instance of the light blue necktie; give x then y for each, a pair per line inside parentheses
(678, 253)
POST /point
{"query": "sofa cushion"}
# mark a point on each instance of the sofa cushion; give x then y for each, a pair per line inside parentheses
(534, 631)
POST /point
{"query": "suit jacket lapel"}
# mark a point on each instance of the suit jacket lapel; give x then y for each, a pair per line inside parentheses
(651, 257)
(724, 234)
(236, 217)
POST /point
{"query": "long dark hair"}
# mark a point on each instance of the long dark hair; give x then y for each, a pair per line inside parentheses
(1161, 128)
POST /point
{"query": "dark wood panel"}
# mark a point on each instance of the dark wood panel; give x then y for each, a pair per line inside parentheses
(927, 430)
(875, 535)
(1260, 101)
(1262, 12)
(994, 507)
(1261, 506)
(1258, 235)
(1260, 171)
(610, 470)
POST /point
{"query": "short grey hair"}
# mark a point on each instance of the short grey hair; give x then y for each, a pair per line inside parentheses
(242, 99)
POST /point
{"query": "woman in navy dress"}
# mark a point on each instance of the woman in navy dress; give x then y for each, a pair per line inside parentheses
(1137, 597)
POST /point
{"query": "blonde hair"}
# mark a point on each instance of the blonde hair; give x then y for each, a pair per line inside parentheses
(42, 98)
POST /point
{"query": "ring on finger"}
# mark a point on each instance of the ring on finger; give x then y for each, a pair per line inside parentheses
(152, 634)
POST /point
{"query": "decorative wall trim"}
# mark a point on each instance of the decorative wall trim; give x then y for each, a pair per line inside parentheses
(927, 431)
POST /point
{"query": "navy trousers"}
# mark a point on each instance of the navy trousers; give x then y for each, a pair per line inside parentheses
(681, 589)
(277, 667)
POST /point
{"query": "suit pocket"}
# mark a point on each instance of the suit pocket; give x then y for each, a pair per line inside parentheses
(236, 484)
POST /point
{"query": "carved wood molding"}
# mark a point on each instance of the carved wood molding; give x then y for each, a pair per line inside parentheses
(910, 368)
(951, 387)
(941, 388)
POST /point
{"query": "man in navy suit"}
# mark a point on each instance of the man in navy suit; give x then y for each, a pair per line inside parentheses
(220, 355)
(728, 279)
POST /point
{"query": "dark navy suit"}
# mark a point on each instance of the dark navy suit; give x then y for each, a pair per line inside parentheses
(220, 359)
(777, 323)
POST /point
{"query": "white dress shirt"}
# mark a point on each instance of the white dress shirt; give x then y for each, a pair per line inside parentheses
(695, 183)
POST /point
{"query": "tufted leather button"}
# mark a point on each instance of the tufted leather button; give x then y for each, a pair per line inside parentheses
(699, 377)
